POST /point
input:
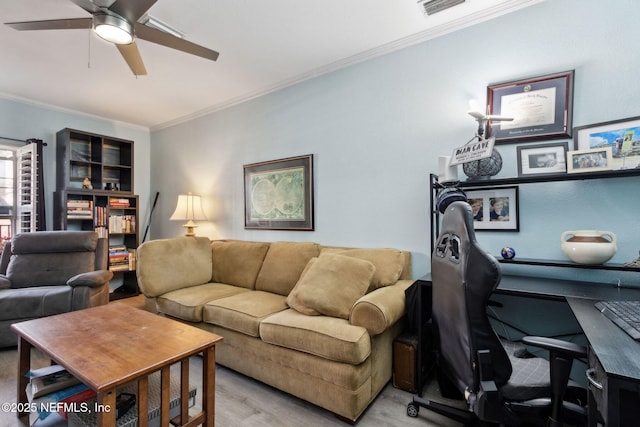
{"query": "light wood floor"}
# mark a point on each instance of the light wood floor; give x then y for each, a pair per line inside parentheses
(137, 301)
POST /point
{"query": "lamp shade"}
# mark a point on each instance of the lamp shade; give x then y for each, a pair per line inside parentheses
(189, 208)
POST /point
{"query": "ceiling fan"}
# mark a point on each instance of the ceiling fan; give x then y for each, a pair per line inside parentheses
(117, 22)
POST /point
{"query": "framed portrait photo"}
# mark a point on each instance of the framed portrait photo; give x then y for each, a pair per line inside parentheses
(591, 160)
(542, 159)
(541, 108)
(622, 136)
(495, 209)
(278, 194)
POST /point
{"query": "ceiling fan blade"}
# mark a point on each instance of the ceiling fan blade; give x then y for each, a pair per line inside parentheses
(87, 5)
(53, 24)
(131, 10)
(164, 39)
(130, 54)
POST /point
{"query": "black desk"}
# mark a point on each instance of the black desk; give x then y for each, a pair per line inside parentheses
(614, 358)
(614, 366)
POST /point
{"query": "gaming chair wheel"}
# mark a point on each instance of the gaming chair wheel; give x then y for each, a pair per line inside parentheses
(412, 410)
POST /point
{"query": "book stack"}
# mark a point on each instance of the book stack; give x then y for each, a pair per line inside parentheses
(122, 224)
(119, 258)
(118, 203)
(79, 209)
(53, 391)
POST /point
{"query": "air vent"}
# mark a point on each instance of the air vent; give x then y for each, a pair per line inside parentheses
(429, 7)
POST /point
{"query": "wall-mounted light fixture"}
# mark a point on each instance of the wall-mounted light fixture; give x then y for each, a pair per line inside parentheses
(189, 208)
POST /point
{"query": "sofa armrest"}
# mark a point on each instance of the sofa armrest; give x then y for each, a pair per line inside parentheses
(92, 279)
(5, 283)
(381, 308)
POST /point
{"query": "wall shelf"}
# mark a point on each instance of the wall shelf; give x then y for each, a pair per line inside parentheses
(532, 179)
(556, 263)
(435, 185)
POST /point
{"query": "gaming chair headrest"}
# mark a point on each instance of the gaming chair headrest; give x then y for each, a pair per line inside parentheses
(448, 194)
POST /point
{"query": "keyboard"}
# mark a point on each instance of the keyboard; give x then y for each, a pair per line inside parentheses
(625, 314)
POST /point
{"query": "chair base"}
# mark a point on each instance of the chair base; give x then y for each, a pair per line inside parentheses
(460, 415)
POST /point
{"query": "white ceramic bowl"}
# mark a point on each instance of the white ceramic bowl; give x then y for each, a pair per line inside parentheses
(589, 246)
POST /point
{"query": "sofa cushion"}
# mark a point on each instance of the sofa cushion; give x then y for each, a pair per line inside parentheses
(187, 303)
(237, 263)
(332, 284)
(38, 301)
(166, 265)
(243, 312)
(283, 265)
(389, 263)
(294, 301)
(327, 337)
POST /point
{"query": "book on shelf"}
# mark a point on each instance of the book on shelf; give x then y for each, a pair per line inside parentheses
(79, 203)
(50, 379)
(79, 209)
(57, 404)
(119, 258)
(74, 401)
(100, 216)
(102, 232)
(122, 224)
(120, 203)
(132, 259)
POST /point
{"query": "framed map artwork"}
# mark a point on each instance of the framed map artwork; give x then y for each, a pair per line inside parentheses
(278, 194)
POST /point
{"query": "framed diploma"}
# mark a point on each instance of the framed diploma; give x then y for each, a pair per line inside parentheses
(541, 108)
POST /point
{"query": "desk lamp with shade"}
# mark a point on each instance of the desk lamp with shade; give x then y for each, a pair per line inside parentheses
(189, 208)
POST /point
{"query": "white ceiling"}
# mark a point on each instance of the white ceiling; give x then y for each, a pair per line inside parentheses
(263, 45)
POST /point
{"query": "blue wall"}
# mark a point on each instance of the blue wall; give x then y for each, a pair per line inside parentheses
(23, 120)
(377, 128)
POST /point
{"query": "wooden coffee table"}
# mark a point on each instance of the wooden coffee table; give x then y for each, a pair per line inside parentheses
(110, 345)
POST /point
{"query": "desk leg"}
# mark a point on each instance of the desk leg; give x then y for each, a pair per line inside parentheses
(208, 385)
(592, 411)
(106, 410)
(24, 365)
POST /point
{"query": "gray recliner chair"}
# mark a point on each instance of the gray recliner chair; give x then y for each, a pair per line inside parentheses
(51, 272)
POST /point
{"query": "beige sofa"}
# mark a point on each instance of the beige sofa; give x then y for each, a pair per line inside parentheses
(317, 322)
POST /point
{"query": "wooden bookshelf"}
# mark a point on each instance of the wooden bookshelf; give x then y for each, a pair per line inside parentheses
(94, 191)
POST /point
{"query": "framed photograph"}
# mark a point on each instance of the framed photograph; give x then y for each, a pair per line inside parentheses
(541, 108)
(623, 136)
(591, 160)
(495, 209)
(542, 159)
(278, 195)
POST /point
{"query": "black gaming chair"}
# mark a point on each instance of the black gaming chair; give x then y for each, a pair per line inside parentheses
(497, 386)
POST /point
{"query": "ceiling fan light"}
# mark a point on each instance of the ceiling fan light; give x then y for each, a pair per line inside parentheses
(113, 29)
